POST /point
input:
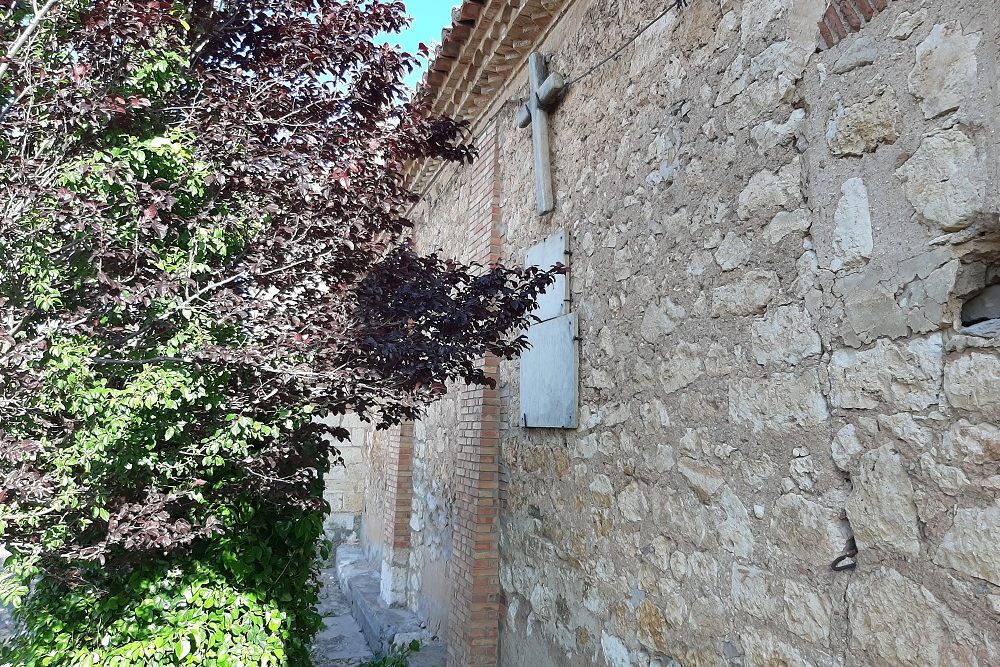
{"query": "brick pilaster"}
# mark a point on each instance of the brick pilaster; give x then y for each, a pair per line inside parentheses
(398, 506)
(473, 624)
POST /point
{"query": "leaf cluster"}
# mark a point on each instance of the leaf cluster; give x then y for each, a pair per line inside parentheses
(204, 250)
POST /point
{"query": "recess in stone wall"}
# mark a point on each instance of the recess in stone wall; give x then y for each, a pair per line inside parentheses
(981, 313)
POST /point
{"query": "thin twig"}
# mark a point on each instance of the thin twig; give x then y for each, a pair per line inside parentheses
(107, 361)
(28, 31)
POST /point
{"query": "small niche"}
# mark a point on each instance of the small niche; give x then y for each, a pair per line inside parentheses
(981, 312)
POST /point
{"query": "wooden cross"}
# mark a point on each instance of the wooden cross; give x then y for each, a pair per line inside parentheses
(546, 89)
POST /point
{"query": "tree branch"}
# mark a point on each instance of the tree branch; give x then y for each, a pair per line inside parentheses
(107, 361)
(28, 31)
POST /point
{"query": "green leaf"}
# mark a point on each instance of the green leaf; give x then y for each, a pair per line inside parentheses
(182, 649)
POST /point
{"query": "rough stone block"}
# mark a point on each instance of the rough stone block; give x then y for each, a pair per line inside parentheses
(863, 127)
(943, 181)
(763, 648)
(785, 336)
(946, 71)
(780, 402)
(907, 23)
(972, 444)
(881, 509)
(972, 382)
(748, 296)
(808, 612)
(906, 375)
(770, 192)
(904, 625)
(814, 534)
(682, 367)
(704, 479)
(753, 592)
(972, 545)
(859, 53)
(852, 226)
(846, 448)
(659, 320)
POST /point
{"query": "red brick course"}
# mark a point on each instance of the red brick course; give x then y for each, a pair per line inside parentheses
(832, 20)
(851, 17)
(825, 35)
(866, 9)
(844, 17)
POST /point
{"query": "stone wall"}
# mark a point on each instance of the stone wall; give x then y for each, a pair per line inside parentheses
(771, 249)
(434, 456)
(345, 484)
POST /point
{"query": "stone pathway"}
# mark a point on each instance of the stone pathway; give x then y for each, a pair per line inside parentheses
(381, 624)
(340, 643)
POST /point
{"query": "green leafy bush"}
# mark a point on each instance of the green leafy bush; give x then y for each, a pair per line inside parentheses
(244, 600)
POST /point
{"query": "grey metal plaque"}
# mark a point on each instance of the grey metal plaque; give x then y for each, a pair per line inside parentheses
(553, 250)
(549, 372)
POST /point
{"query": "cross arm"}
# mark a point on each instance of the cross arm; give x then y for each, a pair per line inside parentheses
(551, 90)
(523, 116)
(547, 96)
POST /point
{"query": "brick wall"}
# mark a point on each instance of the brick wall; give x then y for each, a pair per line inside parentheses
(397, 510)
(473, 626)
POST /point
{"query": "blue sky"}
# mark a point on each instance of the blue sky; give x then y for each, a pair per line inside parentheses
(429, 17)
